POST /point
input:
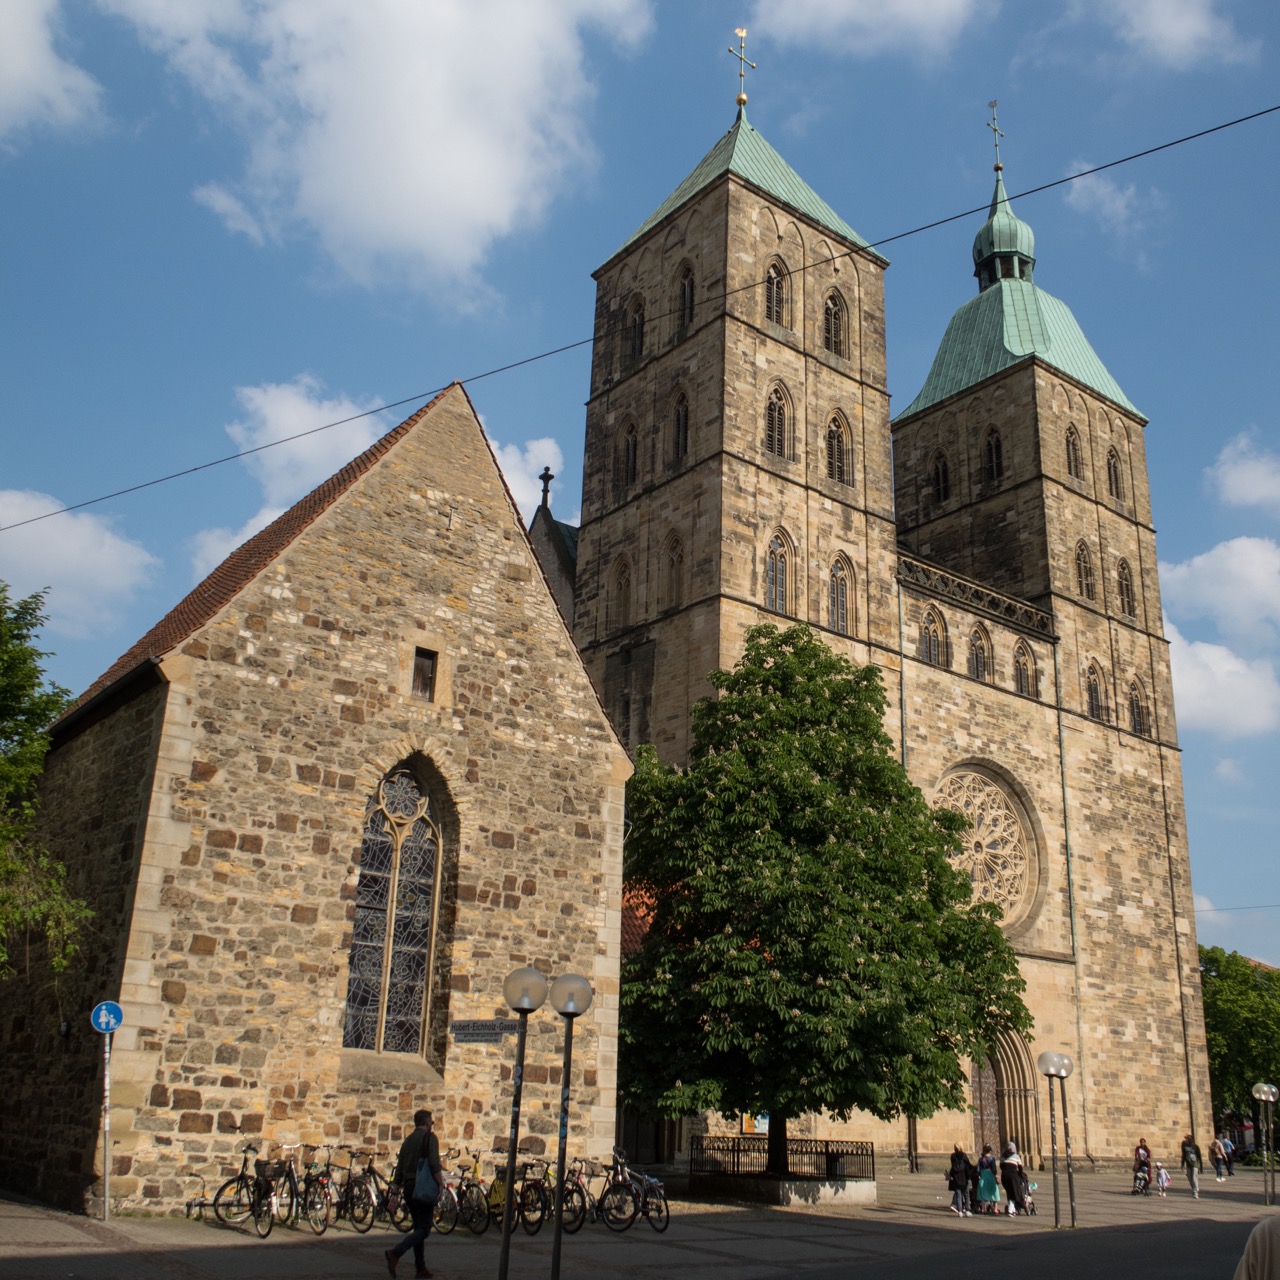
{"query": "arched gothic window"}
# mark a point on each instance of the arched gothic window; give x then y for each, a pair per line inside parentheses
(775, 585)
(1084, 571)
(673, 573)
(393, 930)
(933, 640)
(1139, 719)
(775, 423)
(941, 477)
(993, 457)
(1115, 478)
(775, 294)
(838, 599)
(1075, 460)
(838, 463)
(1124, 585)
(1024, 671)
(680, 428)
(684, 302)
(834, 324)
(979, 655)
(630, 456)
(620, 598)
(633, 334)
(1095, 695)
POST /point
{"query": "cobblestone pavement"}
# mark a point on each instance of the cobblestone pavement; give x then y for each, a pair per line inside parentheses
(910, 1232)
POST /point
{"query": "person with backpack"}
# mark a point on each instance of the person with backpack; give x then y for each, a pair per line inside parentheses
(958, 1179)
(1192, 1162)
(418, 1175)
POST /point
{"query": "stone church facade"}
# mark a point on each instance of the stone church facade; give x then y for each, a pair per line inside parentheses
(990, 550)
(321, 810)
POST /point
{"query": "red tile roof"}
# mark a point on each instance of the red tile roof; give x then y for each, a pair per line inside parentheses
(248, 560)
(637, 914)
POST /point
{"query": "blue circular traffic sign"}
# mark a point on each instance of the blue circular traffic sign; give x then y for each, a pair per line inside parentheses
(107, 1017)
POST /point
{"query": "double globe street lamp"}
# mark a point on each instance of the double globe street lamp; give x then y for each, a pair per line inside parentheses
(1266, 1094)
(1059, 1066)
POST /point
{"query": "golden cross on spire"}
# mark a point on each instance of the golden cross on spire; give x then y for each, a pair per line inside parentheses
(995, 128)
(743, 63)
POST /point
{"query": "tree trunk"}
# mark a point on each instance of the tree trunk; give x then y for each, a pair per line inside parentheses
(777, 1165)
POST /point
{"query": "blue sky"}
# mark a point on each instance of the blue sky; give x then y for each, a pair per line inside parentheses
(227, 221)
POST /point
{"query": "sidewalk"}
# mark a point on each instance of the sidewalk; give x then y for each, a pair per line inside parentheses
(909, 1233)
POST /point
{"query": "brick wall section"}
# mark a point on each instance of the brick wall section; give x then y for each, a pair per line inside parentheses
(284, 712)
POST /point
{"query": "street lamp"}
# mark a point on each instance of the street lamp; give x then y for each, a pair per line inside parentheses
(1059, 1065)
(524, 990)
(1266, 1094)
(571, 995)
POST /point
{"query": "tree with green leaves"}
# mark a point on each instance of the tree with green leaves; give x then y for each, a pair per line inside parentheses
(34, 902)
(810, 945)
(1242, 1027)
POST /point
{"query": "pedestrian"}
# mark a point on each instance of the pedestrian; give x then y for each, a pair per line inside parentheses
(1192, 1161)
(1218, 1154)
(988, 1184)
(1261, 1257)
(1141, 1167)
(1011, 1177)
(958, 1180)
(1230, 1148)
(421, 1192)
(1162, 1179)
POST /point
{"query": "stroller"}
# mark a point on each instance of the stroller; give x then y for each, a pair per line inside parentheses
(1028, 1195)
(1141, 1181)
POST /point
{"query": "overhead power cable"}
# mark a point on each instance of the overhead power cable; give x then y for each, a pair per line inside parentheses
(582, 342)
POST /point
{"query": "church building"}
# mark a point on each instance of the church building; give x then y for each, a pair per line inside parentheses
(989, 549)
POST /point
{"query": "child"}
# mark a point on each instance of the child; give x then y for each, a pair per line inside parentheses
(1162, 1178)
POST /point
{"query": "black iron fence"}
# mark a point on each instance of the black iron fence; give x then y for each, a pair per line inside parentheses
(808, 1159)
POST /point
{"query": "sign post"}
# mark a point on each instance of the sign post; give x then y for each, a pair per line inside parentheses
(106, 1018)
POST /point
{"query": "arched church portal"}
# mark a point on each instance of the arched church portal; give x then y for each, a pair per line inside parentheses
(1005, 1098)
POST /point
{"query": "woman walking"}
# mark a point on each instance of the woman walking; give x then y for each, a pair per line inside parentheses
(958, 1180)
(1013, 1178)
(988, 1183)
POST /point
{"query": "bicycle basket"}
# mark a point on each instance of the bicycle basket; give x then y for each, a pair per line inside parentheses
(270, 1168)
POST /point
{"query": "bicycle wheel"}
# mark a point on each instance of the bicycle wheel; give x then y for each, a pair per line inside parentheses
(445, 1213)
(233, 1202)
(619, 1206)
(574, 1213)
(656, 1210)
(360, 1208)
(263, 1210)
(532, 1207)
(286, 1202)
(473, 1209)
(398, 1209)
(319, 1207)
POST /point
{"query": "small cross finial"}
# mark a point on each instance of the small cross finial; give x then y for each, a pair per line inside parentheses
(997, 131)
(743, 63)
(546, 477)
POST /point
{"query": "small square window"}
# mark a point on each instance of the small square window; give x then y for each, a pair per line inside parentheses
(424, 674)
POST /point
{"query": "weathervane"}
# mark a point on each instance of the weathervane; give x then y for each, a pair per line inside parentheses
(743, 63)
(997, 131)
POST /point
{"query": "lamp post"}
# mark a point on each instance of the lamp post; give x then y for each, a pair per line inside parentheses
(570, 995)
(1267, 1094)
(1047, 1065)
(1060, 1065)
(524, 990)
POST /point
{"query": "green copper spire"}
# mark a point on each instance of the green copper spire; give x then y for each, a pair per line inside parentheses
(744, 153)
(1009, 320)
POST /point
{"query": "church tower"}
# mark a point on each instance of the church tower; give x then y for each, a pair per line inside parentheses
(737, 443)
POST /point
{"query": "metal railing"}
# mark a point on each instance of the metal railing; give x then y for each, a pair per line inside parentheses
(808, 1159)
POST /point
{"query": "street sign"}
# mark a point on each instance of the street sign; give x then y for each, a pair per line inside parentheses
(107, 1017)
(483, 1030)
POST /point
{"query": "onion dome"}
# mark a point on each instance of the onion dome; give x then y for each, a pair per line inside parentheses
(1005, 247)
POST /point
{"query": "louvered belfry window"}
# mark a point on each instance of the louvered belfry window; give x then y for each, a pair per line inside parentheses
(389, 964)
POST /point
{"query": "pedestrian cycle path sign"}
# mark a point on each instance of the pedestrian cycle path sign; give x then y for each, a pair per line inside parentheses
(107, 1017)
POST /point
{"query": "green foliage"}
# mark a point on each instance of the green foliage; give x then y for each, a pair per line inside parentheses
(33, 893)
(811, 945)
(1242, 1027)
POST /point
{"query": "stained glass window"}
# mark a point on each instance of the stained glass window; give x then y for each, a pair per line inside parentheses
(388, 983)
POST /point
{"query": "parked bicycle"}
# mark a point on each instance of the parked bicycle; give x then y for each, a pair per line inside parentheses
(317, 1192)
(247, 1195)
(388, 1201)
(353, 1199)
(286, 1198)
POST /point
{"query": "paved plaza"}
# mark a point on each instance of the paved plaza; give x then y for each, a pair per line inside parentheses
(909, 1233)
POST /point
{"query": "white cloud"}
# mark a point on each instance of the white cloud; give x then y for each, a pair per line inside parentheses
(867, 27)
(407, 135)
(1229, 771)
(1246, 475)
(1177, 33)
(1251, 933)
(37, 85)
(1125, 213)
(1236, 584)
(1218, 692)
(285, 472)
(91, 571)
(522, 465)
